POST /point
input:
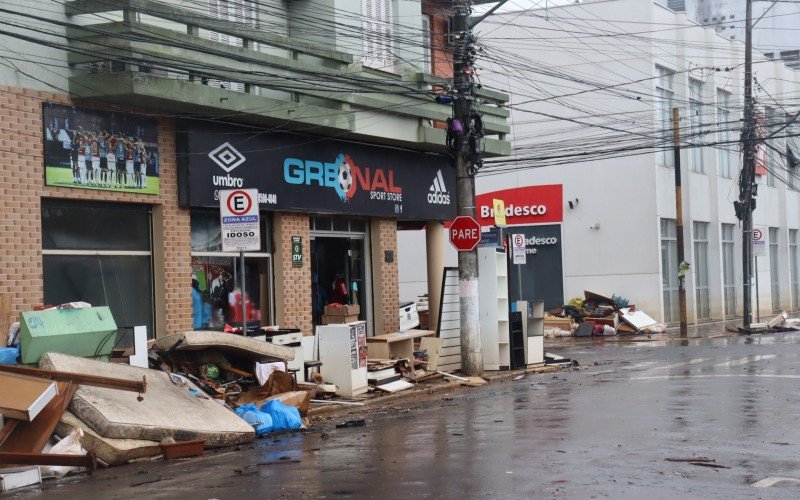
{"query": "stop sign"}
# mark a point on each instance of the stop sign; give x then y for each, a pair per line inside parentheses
(465, 233)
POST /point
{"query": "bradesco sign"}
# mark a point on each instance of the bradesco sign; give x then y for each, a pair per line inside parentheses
(524, 205)
(238, 211)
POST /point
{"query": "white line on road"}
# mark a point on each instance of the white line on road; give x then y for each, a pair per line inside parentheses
(746, 360)
(739, 375)
(682, 363)
(772, 481)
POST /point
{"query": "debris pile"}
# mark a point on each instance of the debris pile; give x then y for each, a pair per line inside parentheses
(598, 315)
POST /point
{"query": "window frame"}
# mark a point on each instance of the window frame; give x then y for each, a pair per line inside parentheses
(724, 153)
(664, 102)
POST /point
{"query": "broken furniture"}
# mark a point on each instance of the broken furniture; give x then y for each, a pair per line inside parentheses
(343, 353)
(86, 332)
(171, 409)
(398, 345)
(532, 330)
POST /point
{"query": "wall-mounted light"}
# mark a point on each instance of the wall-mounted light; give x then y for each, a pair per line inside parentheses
(596, 225)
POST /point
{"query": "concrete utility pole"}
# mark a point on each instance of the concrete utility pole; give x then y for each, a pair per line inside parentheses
(463, 112)
(747, 184)
(676, 151)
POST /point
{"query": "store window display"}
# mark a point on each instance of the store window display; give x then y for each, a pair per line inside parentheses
(216, 278)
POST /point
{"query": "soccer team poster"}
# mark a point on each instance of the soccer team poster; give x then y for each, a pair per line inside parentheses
(95, 149)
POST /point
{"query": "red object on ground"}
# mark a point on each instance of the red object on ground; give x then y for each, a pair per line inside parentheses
(465, 233)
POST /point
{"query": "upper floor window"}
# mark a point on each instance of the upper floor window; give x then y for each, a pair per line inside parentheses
(378, 34)
(725, 135)
(664, 100)
(696, 122)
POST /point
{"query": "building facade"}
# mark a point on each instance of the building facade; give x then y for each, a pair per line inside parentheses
(122, 121)
(597, 119)
(774, 28)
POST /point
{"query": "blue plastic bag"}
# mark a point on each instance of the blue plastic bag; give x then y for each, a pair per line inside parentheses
(261, 422)
(9, 355)
(284, 418)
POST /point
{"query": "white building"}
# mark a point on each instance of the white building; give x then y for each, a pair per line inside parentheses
(592, 89)
(775, 23)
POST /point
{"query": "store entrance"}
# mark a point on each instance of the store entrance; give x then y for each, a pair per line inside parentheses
(338, 274)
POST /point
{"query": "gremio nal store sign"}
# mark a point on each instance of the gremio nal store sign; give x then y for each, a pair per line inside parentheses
(305, 173)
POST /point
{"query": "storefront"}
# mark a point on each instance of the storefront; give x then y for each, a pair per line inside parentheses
(535, 212)
(330, 211)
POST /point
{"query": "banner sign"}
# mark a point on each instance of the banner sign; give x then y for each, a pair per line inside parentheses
(523, 205)
(304, 173)
(95, 149)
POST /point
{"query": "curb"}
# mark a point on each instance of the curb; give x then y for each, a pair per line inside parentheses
(377, 402)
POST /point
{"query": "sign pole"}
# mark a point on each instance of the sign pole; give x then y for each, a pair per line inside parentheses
(244, 299)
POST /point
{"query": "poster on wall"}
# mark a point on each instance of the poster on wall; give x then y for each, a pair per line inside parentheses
(95, 149)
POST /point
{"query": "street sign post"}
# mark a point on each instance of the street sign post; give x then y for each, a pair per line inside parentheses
(759, 243)
(465, 233)
(241, 230)
(518, 248)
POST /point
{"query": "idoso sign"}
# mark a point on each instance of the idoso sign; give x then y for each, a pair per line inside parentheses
(524, 205)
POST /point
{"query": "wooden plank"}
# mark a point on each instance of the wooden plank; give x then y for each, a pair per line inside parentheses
(31, 437)
(237, 371)
(8, 428)
(17, 458)
(450, 351)
(80, 378)
(432, 346)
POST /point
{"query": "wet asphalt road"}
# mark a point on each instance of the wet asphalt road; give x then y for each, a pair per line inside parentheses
(604, 430)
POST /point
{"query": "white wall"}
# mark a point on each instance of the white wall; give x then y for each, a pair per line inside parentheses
(412, 265)
(628, 195)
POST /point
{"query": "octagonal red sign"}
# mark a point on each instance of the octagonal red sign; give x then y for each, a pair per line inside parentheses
(465, 233)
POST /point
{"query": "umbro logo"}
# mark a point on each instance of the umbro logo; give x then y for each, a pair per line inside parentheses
(438, 191)
(227, 157)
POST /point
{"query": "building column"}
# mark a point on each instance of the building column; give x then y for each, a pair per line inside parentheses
(434, 249)
(292, 284)
(385, 276)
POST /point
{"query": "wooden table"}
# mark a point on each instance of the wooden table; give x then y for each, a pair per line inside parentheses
(395, 345)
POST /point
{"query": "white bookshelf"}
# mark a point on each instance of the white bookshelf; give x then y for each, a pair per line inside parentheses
(494, 307)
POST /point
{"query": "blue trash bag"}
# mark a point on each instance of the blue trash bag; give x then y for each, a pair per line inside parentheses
(261, 422)
(9, 355)
(284, 418)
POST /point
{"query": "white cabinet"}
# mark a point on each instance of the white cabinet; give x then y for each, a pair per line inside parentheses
(493, 289)
(343, 353)
(533, 329)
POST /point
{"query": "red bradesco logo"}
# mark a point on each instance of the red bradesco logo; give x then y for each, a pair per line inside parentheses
(524, 205)
(465, 233)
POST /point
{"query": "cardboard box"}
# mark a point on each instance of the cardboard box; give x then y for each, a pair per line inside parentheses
(556, 322)
(342, 310)
(330, 320)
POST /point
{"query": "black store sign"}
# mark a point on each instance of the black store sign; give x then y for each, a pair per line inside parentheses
(542, 276)
(304, 173)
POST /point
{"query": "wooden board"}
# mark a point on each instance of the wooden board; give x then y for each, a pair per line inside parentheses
(449, 329)
(400, 336)
(432, 346)
(30, 437)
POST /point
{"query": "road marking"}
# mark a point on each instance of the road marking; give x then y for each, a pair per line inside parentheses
(772, 481)
(746, 360)
(678, 365)
(633, 367)
(738, 375)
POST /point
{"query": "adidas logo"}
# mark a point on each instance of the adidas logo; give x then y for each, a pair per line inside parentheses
(438, 192)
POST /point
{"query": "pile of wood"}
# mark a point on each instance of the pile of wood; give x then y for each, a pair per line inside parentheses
(32, 403)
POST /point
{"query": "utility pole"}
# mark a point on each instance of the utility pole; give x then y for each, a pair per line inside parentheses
(466, 154)
(747, 185)
(676, 151)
